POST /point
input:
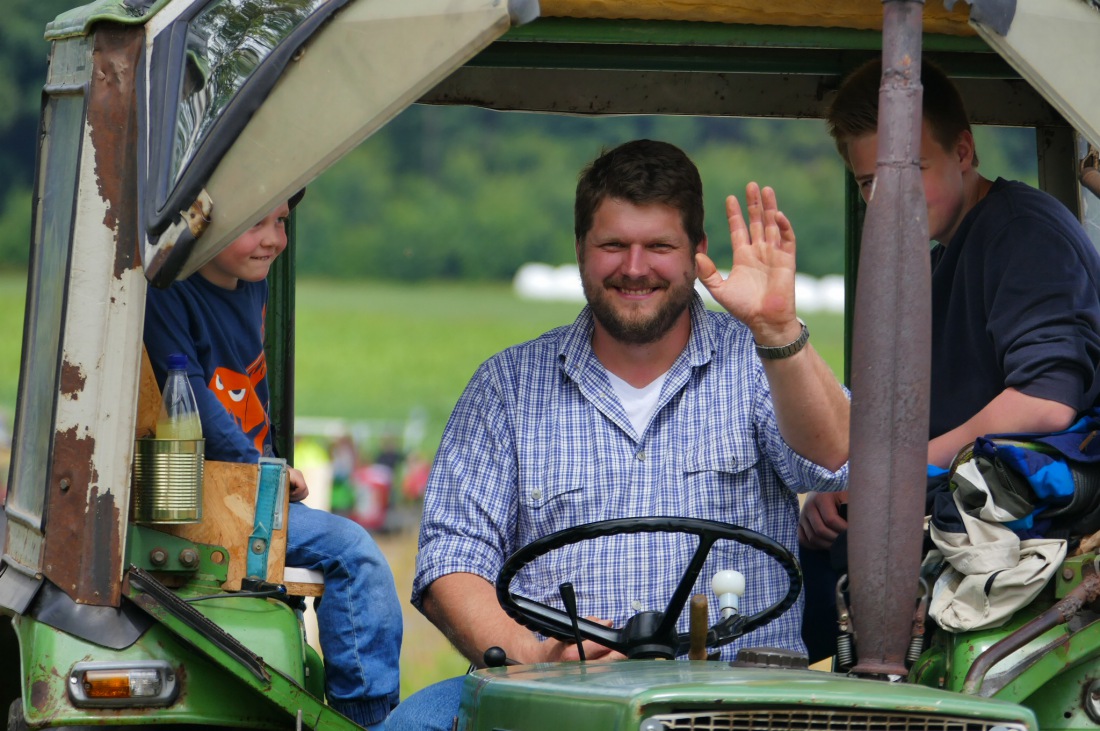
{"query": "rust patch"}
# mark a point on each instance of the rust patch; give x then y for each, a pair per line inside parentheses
(113, 125)
(40, 695)
(146, 602)
(182, 683)
(198, 216)
(72, 380)
(78, 515)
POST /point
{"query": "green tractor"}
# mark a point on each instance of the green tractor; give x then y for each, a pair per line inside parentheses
(158, 118)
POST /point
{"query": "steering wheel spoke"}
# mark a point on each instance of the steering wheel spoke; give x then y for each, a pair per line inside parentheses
(553, 622)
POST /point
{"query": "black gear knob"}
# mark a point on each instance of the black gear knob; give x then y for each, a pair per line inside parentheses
(495, 657)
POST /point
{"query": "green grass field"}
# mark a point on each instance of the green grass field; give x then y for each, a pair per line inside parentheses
(383, 351)
(13, 289)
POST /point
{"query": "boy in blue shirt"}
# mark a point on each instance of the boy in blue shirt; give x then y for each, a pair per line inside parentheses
(216, 317)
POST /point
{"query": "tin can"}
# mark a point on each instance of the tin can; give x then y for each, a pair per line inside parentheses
(167, 481)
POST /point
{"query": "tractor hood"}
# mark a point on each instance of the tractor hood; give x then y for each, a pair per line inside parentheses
(624, 694)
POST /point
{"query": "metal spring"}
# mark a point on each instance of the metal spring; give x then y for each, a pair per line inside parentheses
(845, 639)
(845, 651)
(916, 647)
(917, 635)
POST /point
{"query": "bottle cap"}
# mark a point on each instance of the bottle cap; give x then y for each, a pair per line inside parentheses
(177, 362)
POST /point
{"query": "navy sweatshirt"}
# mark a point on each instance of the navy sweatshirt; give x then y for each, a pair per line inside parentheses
(222, 333)
(1015, 303)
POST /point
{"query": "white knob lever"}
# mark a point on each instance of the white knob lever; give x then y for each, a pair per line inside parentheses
(729, 585)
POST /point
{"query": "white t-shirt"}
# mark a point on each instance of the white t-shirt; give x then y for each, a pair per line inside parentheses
(639, 403)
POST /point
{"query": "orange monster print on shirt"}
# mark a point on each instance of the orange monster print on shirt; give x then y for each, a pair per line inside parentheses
(237, 393)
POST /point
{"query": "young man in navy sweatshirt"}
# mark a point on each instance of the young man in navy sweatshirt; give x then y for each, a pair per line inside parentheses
(1015, 292)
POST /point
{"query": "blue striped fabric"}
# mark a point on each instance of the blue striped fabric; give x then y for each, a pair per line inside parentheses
(539, 442)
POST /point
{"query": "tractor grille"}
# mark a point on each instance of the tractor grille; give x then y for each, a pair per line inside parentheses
(818, 720)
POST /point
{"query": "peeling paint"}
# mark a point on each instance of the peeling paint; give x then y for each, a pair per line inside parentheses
(112, 119)
(72, 380)
(81, 515)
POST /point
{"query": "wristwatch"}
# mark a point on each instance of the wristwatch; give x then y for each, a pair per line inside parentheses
(776, 352)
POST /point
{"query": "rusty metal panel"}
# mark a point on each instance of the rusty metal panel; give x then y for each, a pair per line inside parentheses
(88, 492)
(891, 365)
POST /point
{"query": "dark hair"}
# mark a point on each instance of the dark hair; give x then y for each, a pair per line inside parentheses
(295, 199)
(642, 172)
(854, 110)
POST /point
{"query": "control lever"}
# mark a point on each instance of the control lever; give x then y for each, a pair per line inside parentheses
(697, 628)
(569, 599)
(495, 657)
(729, 585)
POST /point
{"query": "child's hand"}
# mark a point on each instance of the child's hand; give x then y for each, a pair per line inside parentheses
(298, 488)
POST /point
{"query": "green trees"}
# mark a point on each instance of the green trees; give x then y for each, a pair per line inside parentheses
(23, 55)
(449, 193)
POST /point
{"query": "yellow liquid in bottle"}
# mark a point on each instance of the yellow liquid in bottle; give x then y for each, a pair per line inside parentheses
(188, 427)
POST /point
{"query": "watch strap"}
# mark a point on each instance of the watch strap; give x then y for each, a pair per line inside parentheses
(777, 352)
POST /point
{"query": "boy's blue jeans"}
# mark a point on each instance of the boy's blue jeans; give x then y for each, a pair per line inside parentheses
(432, 709)
(359, 616)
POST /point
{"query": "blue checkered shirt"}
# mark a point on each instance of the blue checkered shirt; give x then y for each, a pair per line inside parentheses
(539, 442)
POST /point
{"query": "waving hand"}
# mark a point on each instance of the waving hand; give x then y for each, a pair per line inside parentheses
(760, 288)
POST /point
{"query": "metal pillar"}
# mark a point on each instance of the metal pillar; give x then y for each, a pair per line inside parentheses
(891, 365)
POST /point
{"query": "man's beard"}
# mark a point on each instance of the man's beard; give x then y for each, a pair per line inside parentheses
(636, 328)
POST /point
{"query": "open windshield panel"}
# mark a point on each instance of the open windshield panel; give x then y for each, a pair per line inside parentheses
(260, 96)
(211, 60)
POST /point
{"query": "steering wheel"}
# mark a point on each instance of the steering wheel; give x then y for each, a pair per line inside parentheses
(646, 634)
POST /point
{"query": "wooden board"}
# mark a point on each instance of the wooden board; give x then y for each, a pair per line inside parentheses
(857, 14)
(228, 510)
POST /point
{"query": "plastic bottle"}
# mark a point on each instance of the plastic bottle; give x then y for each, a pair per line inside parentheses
(179, 419)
